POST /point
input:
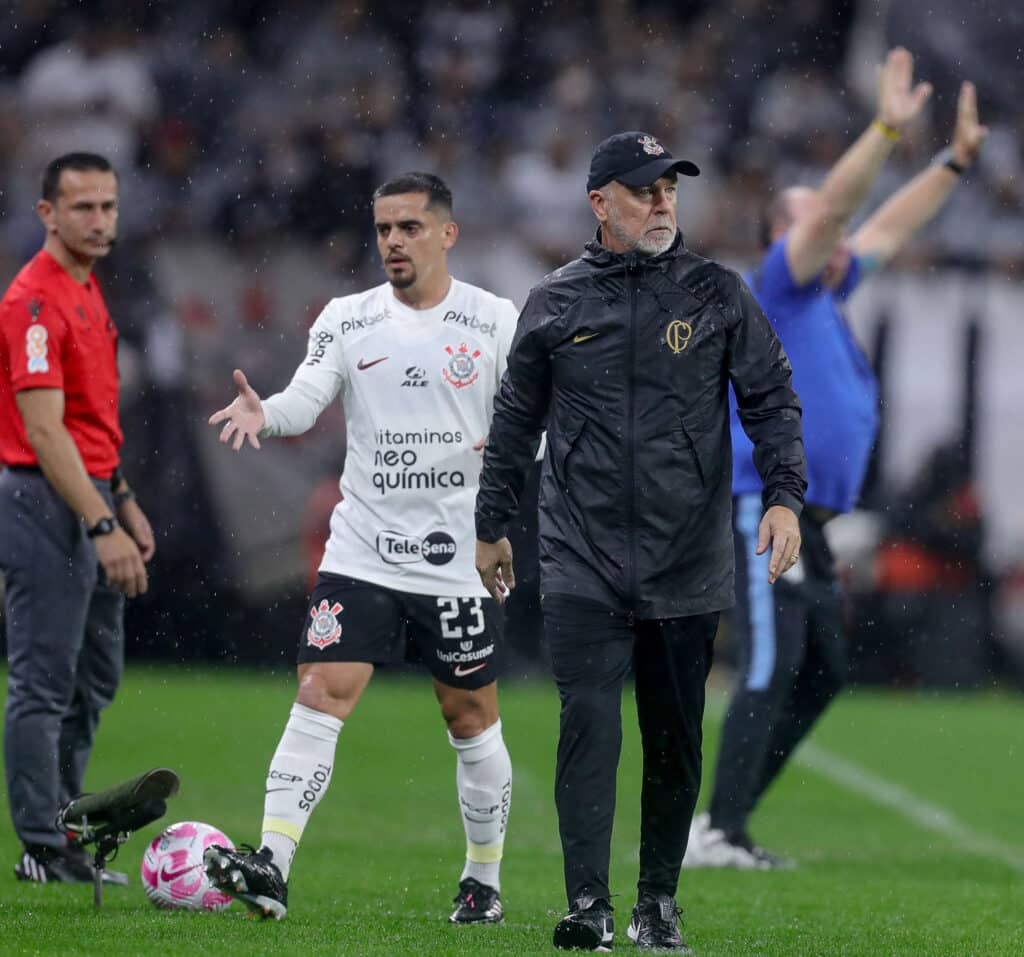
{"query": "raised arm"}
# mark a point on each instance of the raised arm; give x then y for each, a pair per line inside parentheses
(917, 203)
(814, 236)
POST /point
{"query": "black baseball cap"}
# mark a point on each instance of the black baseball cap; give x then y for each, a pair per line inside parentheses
(634, 159)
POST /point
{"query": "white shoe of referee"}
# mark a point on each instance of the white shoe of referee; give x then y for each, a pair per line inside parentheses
(712, 847)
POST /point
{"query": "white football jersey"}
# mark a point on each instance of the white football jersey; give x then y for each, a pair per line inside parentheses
(418, 389)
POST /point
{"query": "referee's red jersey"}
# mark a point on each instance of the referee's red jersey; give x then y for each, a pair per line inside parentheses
(56, 333)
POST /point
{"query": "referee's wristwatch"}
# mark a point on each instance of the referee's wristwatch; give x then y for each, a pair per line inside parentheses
(103, 527)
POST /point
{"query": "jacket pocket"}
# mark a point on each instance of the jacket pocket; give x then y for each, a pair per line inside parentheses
(567, 443)
(701, 445)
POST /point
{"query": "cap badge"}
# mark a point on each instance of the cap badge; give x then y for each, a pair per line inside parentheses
(651, 146)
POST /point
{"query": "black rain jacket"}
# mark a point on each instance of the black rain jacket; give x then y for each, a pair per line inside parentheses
(627, 360)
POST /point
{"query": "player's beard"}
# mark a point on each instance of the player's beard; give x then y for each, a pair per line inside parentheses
(403, 280)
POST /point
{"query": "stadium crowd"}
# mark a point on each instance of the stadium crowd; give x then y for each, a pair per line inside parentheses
(248, 135)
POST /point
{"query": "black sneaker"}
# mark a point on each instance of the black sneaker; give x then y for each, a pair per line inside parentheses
(587, 926)
(249, 875)
(43, 864)
(655, 924)
(477, 903)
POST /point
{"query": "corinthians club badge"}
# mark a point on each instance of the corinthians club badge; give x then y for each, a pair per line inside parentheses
(461, 370)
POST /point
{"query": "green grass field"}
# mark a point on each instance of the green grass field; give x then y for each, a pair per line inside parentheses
(905, 811)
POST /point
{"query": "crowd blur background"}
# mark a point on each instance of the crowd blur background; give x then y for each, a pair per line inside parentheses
(249, 136)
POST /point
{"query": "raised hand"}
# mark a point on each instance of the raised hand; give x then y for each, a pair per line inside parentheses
(969, 134)
(244, 418)
(898, 101)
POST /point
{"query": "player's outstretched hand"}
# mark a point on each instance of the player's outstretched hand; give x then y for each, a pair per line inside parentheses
(494, 565)
(898, 100)
(779, 528)
(244, 418)
(969, 134)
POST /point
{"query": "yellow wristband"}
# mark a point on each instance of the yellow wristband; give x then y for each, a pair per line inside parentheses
(889, 132)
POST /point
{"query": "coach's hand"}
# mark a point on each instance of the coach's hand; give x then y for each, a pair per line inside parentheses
(244, 418)
(494, 564)
(122, 562)
(779, 528)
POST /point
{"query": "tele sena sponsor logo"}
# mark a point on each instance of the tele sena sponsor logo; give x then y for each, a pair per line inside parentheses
(397, 548)
(470, 322)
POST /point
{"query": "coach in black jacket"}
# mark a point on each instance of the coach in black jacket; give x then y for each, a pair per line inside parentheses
(625, 355)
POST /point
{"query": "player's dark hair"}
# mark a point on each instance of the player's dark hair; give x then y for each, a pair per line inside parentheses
(79, 162)
(439, 196)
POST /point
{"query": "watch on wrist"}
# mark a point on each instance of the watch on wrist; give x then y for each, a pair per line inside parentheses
(103, 527)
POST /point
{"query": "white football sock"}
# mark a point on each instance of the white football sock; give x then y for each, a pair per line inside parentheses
(483, 775)
(298, 777)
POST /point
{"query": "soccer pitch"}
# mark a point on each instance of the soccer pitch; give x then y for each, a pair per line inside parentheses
(905, 811)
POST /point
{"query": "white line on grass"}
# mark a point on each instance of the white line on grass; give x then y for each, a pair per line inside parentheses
(932, 817)
(857, 778)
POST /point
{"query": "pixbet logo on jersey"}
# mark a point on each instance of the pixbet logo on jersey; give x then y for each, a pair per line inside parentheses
(470, 322)
(397, 548)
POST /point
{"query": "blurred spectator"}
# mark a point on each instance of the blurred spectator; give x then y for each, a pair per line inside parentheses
(93, 92)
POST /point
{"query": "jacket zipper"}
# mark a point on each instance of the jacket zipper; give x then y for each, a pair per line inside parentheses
(632, 285)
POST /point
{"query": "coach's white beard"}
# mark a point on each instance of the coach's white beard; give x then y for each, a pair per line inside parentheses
(642, 245)
(654, 247)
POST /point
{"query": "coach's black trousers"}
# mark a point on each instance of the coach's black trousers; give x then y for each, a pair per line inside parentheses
(65, 650)
(593, 647)
(792, 661)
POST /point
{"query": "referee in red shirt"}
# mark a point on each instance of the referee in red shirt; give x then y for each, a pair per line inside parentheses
(73, 540)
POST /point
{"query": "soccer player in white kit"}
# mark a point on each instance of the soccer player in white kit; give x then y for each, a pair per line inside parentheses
(417, 361)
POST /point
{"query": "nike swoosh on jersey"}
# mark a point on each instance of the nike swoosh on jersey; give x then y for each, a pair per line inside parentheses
(578, 339)
(461, 672)
(363, 364)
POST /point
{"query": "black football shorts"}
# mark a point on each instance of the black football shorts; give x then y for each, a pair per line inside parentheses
(458, 639)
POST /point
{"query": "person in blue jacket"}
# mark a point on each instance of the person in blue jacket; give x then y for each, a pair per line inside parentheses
(792, 652)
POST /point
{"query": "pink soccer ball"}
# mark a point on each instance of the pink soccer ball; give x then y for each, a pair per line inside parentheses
(172, 868)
